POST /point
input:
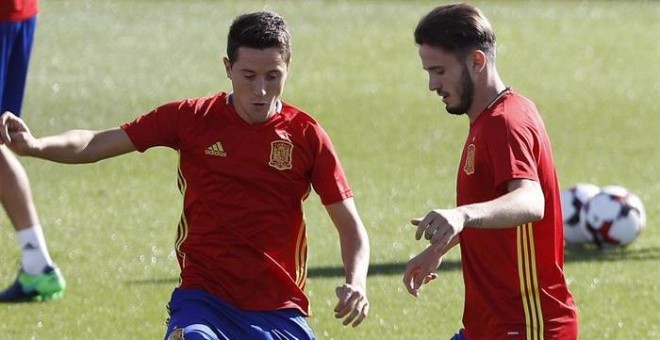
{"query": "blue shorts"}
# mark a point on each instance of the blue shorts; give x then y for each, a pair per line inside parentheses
(15, 47)
(195, 314)
(458, 335)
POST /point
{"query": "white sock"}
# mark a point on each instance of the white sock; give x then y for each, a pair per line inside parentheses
(35, 252)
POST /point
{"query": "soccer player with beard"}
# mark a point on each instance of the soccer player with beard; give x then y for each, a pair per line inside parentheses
(508, 218)
(247, 161)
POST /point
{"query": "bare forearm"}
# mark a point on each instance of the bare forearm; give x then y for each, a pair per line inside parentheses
(82, 146)
(353, 240)
(353, 304)
(454, 241)
(355, 256)
(523, 205)
(68, 147)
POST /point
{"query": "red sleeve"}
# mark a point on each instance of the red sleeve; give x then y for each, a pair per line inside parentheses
(159, 127)
(328, 178)
(511, 149)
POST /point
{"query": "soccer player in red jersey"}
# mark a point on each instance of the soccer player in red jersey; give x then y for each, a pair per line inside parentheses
(508, 216)
(39, 278)
(247, 161)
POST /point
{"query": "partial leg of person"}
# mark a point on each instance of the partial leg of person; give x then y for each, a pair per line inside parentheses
(39, 278)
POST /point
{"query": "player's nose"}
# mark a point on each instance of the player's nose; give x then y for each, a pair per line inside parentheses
(260, 88)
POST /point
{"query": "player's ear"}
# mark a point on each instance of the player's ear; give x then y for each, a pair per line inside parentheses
(227, 63)
(479, 60)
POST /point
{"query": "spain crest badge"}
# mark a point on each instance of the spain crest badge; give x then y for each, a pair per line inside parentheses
(468, 167)
(281, 154)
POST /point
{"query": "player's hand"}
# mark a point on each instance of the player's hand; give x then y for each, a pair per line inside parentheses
(15, 133)
(420, 270)
(353, 305)
(439, 226)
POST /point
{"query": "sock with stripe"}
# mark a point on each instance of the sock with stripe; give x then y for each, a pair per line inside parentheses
(33, 247)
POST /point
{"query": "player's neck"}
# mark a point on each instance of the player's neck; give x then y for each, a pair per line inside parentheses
(254, 117)
(490, 92)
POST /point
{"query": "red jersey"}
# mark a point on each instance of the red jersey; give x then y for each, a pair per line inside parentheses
(17, 10)
(242, 236)
(514, 281)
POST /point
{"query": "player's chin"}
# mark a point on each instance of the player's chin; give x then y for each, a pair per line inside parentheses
(260, 110)
(455, 110)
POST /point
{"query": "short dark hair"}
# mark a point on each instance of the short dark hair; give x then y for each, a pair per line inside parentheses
(458, 29)
(259, 30)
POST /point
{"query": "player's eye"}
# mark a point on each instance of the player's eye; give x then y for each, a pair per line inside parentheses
(273, 76)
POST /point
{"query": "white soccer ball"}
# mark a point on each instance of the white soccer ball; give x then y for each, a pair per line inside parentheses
(614, 217)
(572, 201)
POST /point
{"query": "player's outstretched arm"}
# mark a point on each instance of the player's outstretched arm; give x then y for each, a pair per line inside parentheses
(524, 202)
(353, 305)
(73, 146)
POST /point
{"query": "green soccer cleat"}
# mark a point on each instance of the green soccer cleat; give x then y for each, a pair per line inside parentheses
(49, 285)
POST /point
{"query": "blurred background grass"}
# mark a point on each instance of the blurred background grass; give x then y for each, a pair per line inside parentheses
(591, 67)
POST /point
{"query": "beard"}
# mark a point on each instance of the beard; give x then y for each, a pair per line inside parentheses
(467, 94)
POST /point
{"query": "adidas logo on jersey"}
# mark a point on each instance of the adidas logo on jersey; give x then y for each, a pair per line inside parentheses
(216, 150)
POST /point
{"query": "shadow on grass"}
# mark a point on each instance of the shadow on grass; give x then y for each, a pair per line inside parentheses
(590, 253)
(375, 269)
(586, 253)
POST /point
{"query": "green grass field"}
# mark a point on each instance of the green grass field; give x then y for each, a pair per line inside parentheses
(591, 67)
